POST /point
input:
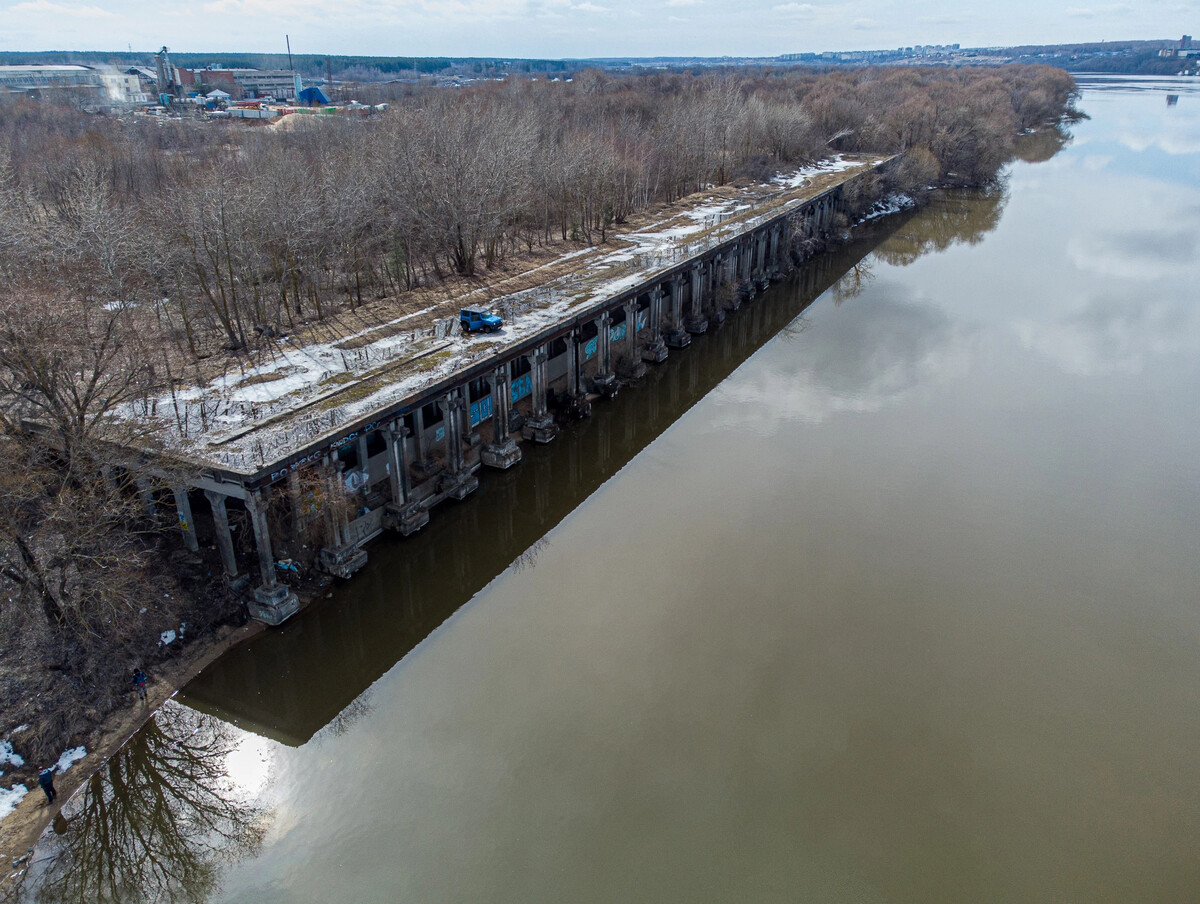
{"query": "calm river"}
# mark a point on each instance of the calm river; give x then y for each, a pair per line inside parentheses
(888, 591)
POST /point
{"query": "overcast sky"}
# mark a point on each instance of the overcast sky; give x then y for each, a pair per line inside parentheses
(577, 28)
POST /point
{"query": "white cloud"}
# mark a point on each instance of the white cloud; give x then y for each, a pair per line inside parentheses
(796, 10)
(60, 9)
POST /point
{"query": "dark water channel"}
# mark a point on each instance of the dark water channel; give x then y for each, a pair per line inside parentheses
(888, 591)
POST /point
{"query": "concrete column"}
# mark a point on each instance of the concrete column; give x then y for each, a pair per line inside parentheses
(677, 336)
(397, 465)
(256, 508)
(502, 452)
(540, 427)
(419, 430)
(341, 557)
(696, 322)
(656, 349)
(501, 402)
(223, 534)
(146, 494)
(458, 481)
(293, 488)
(334, 499)
(402, 513)
(572, 365)
(272, 602)
(605, 381)
(451, 407)
(187, 525)
(362, 456)
(634, 368)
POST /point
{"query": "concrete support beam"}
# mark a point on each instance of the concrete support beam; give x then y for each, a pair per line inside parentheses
(224, 536)
(272, 601)
(187, 526)
(402, 513)
(502, 452)
(540, 426)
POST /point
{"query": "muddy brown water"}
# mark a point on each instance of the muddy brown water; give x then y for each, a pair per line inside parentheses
(888, 591)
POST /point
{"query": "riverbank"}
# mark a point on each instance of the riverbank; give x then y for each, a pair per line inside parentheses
(20, 830)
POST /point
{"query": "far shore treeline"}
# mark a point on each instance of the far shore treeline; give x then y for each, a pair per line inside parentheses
(136, 251)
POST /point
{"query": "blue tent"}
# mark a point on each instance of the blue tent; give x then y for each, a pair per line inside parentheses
(312, 96)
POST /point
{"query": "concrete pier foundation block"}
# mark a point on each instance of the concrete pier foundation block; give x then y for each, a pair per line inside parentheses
(632, 370)
(343, 561)
(459, 486)
(502, 455)
(541, 429)
(679, 339)
(696, 324)
(407, 519)
(273, 605)
(655, 352)
(605, 385)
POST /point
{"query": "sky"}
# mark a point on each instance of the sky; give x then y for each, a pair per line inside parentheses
(578, 28)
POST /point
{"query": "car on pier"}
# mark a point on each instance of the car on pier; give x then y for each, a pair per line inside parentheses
(477, 320)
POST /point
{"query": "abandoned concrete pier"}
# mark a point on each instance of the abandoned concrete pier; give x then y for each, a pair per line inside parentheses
(389, 468)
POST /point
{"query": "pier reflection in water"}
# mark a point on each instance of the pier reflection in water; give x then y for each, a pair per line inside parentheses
(290, 682)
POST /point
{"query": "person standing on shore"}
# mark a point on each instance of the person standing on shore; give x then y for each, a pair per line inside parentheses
(139, 683)
(46, 780)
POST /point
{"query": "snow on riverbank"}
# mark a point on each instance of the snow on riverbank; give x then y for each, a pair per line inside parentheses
(10, 797)
(68, 758)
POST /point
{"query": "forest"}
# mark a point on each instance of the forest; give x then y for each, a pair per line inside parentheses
(133, 248)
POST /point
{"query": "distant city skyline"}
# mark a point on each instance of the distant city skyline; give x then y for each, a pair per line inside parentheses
(577, 28)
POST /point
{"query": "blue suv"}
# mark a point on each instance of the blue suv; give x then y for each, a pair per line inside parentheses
(476, 320)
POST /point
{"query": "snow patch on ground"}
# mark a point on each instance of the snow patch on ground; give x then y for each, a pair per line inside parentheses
(7, 756)
(835, 164)
(167, 637)
(887, 206)
(69, 757)
(9, 798)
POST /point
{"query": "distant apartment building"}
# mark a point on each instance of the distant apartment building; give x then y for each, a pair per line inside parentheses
(1183, 49)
